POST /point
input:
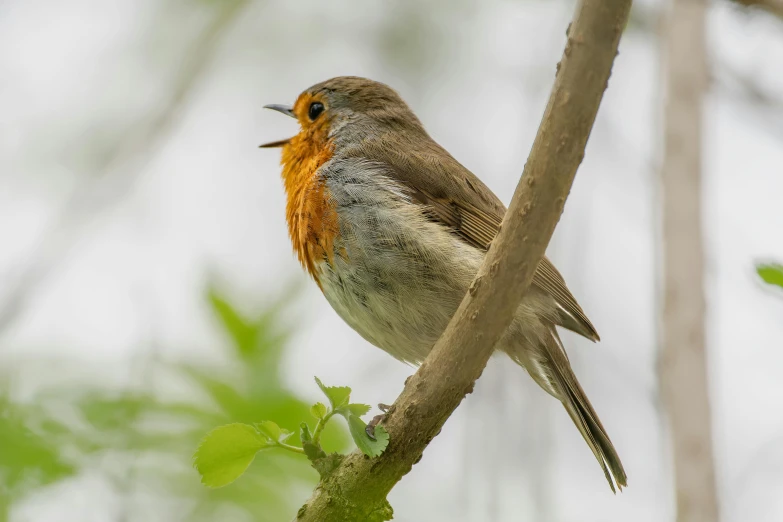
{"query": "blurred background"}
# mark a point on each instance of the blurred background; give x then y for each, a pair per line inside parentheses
(148, 291)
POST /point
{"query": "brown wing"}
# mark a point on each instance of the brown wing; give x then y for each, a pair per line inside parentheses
(458, 199)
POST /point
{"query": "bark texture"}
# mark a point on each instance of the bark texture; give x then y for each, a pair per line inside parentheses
(683, 364)
(357, 489)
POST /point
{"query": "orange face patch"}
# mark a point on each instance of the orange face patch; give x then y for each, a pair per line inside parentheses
(311, 217)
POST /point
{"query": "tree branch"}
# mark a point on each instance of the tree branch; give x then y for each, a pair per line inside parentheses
(683, 368)
(357, 489)
(774, 7)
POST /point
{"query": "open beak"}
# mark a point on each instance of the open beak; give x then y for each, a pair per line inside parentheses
(273, 144)
(284, 109)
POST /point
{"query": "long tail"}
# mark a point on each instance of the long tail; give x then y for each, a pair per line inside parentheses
(582, 413)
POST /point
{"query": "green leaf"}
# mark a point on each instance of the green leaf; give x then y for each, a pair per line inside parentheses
(339, 398)
(226, 452)
(243, 332)
(371, 448)
(338, 395)
(274, 432)
(223, 391)
(355, 409)
(270, 429)
(27, 460)
(312, 451)
(318, 410)
(771, 273)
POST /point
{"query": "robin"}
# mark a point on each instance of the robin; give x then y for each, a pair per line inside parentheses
(393, 229)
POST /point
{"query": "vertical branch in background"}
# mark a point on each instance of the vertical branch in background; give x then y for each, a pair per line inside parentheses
(683, 362)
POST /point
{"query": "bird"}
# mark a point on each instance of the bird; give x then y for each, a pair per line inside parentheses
(393, 229)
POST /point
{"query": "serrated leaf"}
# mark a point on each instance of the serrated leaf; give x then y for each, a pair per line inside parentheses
(337, 395)
(273, 431)
(368, 446)
(771, 274)
(270, 429)
(318, 410)
(226, 452)
(355, 409)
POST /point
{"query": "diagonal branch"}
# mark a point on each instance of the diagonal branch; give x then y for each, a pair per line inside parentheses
(357, 489)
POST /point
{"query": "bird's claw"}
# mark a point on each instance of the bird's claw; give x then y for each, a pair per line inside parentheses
(370, 429)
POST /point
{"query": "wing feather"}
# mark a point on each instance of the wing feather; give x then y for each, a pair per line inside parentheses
(458, 199)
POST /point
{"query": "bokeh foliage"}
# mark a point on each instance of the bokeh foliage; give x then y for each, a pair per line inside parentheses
(771, 273)
(142, 440)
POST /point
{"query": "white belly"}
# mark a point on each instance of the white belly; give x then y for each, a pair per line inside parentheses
(401, 276)
(397, 277)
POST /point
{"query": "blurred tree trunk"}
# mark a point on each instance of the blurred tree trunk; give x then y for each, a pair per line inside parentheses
(683, 363)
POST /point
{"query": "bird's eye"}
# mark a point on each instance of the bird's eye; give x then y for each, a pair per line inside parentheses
(315, 110)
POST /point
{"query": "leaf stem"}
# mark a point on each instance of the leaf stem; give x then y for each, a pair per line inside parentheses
(291, 448)
(320, 427)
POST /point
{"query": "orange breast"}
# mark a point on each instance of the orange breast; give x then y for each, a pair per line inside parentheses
(311, 217)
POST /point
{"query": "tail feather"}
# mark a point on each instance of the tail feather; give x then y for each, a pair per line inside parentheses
(584, 416)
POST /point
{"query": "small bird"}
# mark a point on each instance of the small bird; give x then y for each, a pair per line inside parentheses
(393, 230)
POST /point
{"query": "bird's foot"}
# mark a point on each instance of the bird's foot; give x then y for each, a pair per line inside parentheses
(370, 429)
